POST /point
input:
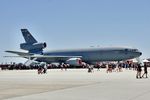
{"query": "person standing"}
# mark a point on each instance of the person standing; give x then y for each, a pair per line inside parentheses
(139, 70)
(145, 71)
(45, 68)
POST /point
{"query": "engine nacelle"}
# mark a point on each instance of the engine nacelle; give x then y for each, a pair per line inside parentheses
(74, 61)
(33, 48)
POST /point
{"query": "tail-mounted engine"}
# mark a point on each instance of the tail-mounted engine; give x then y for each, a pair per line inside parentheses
(33, 48)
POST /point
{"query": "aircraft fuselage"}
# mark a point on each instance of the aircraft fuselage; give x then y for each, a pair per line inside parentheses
(95, 54)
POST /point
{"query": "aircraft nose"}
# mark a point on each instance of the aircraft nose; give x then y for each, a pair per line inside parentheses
(140, 53)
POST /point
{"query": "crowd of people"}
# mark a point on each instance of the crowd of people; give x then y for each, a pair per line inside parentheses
(110, 67)
(118, 67)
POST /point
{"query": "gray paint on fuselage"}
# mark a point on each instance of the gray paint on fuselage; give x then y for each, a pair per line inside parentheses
(95, 54)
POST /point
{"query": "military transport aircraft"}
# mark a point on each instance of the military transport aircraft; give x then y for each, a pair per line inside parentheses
(72, 56)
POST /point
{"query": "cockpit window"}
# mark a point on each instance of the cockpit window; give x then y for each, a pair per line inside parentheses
(135, 50)
(132, 50)
(126, 49)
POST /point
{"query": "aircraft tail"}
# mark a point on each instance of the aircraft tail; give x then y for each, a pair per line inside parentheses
(28, 37)
(31, 44)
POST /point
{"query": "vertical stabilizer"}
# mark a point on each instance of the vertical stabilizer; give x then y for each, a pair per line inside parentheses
(28, 37)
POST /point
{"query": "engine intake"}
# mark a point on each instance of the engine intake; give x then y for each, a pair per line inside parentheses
(74, 61)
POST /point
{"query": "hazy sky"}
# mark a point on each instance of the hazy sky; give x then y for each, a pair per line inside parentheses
(75, 24)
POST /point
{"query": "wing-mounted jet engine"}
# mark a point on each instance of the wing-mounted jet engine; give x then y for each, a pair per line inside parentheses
(74, 61)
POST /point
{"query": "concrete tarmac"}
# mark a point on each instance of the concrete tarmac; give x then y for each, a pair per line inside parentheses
(73, 84)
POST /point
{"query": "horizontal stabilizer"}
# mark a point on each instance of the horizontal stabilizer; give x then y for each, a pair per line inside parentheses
(20, 53)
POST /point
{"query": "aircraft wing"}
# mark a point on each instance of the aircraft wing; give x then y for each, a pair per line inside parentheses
(38, 56)
(50, 59)
(47, 56)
